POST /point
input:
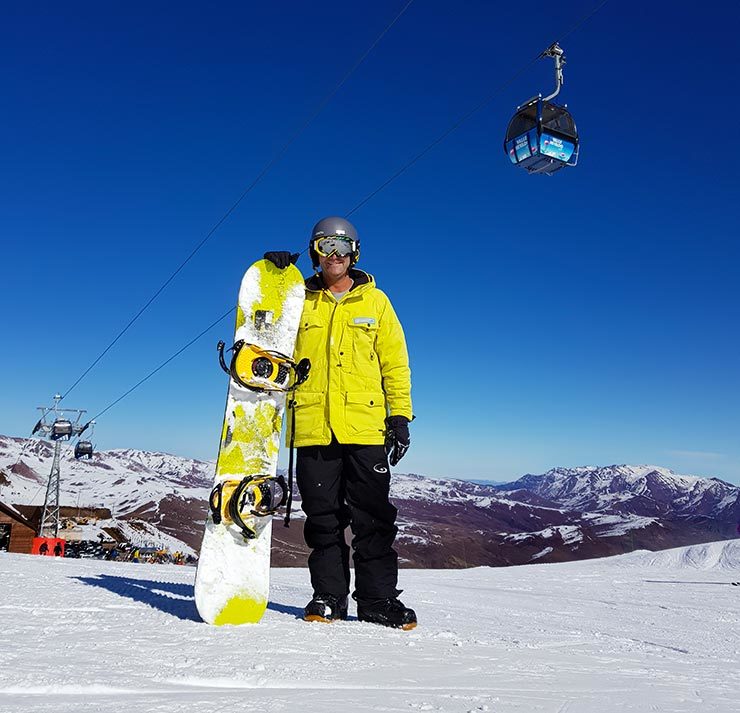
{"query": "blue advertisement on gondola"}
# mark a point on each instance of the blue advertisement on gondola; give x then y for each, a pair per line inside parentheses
(521, 147)
(556, 148)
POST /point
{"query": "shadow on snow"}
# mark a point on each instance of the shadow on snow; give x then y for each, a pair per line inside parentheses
(297, 612)
(687, 581)
(173, 598)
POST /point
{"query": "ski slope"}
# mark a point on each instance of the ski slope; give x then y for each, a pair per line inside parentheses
(639, 632)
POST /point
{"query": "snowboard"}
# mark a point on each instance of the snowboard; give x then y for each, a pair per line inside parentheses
(233, 575)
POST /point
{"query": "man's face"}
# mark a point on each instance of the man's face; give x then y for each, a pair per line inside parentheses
(334, 266)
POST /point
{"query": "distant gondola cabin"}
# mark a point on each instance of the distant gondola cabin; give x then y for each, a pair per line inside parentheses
(542, 137)
(61, 428)
(83, 449)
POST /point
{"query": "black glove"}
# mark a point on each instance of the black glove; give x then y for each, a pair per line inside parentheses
(281, 258)
(397, 438)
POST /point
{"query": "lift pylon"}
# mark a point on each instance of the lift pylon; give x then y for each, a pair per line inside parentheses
(57, 424)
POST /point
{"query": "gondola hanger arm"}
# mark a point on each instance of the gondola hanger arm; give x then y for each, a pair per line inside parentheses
(556, 52)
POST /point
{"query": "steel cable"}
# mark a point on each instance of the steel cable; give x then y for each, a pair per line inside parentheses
(387, 182)
(274, 160)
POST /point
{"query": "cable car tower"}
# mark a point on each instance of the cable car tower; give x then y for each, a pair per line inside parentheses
(56, 424)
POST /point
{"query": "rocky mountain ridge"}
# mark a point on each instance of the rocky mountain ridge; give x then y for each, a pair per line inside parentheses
(564, 514)
(642, 490)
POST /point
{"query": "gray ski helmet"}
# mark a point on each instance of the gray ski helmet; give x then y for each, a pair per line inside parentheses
(331, 226)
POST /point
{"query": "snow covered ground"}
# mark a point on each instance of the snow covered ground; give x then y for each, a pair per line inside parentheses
(640, 632)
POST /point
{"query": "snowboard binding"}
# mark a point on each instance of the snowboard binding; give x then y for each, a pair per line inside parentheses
(238, 501)
(262, 369)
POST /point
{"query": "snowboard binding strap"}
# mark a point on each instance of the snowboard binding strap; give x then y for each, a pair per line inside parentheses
(252, 496)
(262, 370)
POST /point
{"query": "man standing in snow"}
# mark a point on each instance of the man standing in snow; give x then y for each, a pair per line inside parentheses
(351, 419)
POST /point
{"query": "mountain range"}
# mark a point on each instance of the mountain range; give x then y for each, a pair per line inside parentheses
(563, 514)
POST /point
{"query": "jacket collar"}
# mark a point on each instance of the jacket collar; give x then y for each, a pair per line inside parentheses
(316, 284)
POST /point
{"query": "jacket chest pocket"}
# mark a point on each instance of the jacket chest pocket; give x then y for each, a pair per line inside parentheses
(311, 339)
(359, 341)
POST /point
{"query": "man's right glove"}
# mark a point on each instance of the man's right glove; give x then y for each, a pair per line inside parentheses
(281, 258)
(397, 438)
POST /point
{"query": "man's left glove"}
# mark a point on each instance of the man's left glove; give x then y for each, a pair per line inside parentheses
(397, 438)
(281, 258)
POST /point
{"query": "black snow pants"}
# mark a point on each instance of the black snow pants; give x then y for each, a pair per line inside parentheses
(341, 485)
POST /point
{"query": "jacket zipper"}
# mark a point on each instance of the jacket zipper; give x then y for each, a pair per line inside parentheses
(329, 362)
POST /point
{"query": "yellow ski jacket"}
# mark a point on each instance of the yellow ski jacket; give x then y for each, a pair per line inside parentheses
(359, 365)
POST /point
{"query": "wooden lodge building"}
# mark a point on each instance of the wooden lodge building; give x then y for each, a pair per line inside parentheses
(20, 523)
(16, 531)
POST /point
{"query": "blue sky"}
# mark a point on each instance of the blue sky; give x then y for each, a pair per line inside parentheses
(586, 318)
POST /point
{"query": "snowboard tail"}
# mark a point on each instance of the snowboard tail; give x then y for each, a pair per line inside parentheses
(241, 610)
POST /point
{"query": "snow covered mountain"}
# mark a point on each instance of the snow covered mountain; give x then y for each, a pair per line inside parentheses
(167, 492)
(646, 490)
(565, 514)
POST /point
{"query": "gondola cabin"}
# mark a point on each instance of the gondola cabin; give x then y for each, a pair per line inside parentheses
(83, 449)
(61, 428)
(542, 137)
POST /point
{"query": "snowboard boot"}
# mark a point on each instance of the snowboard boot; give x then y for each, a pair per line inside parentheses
(326, 608)
(387, 612)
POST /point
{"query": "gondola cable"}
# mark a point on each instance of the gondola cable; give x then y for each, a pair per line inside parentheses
(164, 363)
(418, 156)
(481, 105)
(274, 160)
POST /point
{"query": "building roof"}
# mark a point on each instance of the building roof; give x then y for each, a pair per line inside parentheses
(11, 512)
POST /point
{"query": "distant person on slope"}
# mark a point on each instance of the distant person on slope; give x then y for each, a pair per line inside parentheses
(351, 418)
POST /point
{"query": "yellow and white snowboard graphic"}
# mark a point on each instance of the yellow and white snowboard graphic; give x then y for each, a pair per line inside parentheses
(233, 577)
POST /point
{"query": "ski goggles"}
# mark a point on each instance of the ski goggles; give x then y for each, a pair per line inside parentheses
(335, 245)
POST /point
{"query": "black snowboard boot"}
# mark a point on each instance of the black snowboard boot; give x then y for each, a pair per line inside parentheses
(387, 612)
(326, 608)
